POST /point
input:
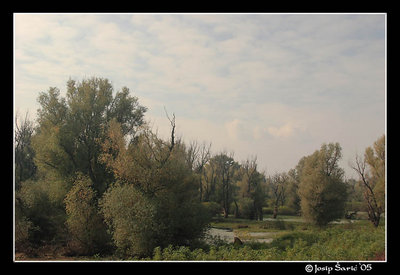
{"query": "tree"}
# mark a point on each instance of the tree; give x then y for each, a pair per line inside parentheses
(322, 190)
(371, 170)
(157, 174)
(252, 190)
(71, 130)
(278, 185)
(222, 170)
(25, 167)
(66, 143)
(197, 156)
(292, 196)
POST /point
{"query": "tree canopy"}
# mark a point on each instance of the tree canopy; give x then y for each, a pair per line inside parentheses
(322, 189)
(71, 130)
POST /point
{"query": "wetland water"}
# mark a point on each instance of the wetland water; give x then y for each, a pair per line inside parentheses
(228, 235)
(265, 237)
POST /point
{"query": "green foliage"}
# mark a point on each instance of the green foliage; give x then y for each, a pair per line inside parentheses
(337, 243)
(283, 210)
(25, 167)
(23, 227)
(277, 224)
(220, 180)
(246, 208)
(131, 218)
(322, 190)
(160, 175)
(375, 157)
(41, 210)
(85, 226)
(213, 208)
(251, 191)
(331, 244)
(371, 171)
(92, 174)
(71, 130)
(292, 199)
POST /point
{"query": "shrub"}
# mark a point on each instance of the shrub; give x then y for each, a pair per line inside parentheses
(87, 230)
(331, 244)
(285, 210)
(246, 208)
(130, 216)
(23, 229)
(43, 211)
(213, 208)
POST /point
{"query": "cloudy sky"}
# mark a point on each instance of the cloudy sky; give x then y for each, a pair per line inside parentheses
(275, 86)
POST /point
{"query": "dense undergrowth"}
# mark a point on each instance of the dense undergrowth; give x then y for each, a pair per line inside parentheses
(339, 242)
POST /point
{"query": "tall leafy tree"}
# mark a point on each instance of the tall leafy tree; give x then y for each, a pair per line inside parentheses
(72, 129)
(252, 190)
(222, 169)
(156, 173)
(292, 196)
(322, 190)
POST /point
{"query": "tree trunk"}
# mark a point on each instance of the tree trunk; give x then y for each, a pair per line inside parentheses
(275, 213)
(260, 214)
(236, 209)
(225, 213)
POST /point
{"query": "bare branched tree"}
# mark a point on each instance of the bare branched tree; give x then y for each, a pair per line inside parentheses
(173, 125)
(374, 209)
(278, 184)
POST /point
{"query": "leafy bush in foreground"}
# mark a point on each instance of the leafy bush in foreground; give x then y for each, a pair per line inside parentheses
(334, 243)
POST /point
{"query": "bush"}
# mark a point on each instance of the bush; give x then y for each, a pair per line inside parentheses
(41, 214)
(282, 210)
(288, 211)
(246, 208)
(23, 229)
(184, 220)
(87, 230)
(331, 244)
(130, 216)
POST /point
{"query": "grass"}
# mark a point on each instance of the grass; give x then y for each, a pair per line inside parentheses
(293, 240)
(339, 242)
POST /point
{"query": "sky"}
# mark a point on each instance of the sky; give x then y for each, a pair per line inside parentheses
(274, 86)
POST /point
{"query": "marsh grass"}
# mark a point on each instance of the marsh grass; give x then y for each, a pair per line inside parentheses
(336, 242)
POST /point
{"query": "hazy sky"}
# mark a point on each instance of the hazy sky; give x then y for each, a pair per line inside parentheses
(272, 85)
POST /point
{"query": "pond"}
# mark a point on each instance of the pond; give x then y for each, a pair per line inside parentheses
(228, 235)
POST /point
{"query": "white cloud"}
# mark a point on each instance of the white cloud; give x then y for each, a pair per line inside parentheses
(234, 129)
(281, 132)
